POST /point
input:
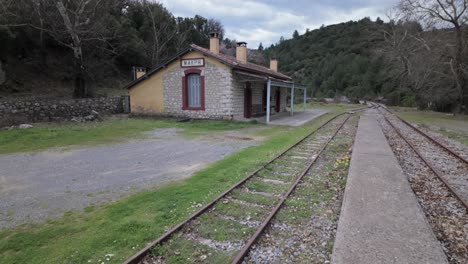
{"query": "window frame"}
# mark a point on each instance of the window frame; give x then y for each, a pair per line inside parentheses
(185, 105)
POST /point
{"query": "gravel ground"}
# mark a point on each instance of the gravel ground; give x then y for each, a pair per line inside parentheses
(447, 217)
(37, 186)
(454, 145)
(454, 170)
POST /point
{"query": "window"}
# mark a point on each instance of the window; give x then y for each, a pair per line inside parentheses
(193, 90)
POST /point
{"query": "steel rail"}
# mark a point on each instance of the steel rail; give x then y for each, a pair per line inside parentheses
(240, 256)
(140, 254)
(436, 172)
(427, 136)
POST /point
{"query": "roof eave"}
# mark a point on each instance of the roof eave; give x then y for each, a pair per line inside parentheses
(157, 68)
(278, 76)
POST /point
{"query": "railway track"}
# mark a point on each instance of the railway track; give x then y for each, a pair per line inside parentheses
(450, 167)
(226, 228)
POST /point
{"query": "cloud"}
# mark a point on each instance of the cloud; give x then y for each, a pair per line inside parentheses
(267, 20)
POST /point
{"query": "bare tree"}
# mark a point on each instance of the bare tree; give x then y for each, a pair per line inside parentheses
(72, 23)
(417, 57)
(162, 28)
(215, 25)
(449, 14)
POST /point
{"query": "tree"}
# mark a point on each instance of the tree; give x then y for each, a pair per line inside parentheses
(99, 39)
(295, 34)
(215, 25)
(444, 13)
(78, 25)
(260, 47)
(281, 40)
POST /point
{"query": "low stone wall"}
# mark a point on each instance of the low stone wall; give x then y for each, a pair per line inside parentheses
(14, 112)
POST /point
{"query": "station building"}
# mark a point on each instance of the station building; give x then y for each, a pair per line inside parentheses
(203, 83)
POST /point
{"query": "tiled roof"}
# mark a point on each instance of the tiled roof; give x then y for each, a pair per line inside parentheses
(228, 60)
(233, 62)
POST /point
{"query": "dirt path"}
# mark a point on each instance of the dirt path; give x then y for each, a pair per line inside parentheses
(37, 186)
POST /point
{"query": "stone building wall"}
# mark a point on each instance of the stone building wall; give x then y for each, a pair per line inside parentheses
(224, 94)
(218, 93)
(257, 93)
(238, 99)
(13, 112)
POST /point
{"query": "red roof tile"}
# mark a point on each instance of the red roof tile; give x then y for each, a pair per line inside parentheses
(233, 62)
(229, 60)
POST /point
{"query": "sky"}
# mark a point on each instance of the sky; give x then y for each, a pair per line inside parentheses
(255, 21)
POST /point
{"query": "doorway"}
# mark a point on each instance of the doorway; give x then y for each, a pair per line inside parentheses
(278, 100)
(247, 101)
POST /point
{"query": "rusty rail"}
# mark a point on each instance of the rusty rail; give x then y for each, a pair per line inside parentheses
(140, 254)
(436, 172)
(427, 136)
(240, 256)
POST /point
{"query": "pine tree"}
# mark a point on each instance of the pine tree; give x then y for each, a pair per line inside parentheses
(295, 34)
(260, 47)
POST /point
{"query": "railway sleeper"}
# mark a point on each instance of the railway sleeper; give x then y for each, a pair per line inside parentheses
(252, 197)
(241, 211)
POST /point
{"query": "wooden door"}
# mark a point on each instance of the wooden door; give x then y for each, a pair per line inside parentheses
(278, 100)
(247, 101)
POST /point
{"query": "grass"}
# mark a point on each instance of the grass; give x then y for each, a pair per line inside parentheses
(452, 126)
(237, 210)
(123, 227)
(181, 250)
(44, 136)
(220, 229)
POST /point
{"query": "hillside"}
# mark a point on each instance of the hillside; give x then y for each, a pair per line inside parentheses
(335, 60)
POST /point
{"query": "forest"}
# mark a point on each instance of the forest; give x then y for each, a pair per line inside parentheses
(416, 56)
(77, 46)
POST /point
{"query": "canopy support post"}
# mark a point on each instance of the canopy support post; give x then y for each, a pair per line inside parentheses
(305, 96)
(292, 100)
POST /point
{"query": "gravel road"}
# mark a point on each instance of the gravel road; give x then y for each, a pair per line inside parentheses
(37, 186)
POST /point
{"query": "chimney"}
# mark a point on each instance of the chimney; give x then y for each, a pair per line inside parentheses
(274, 64)
(241, 52)
(214, 42)
(138, 72)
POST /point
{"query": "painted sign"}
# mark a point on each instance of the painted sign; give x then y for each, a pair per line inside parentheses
(192, 63)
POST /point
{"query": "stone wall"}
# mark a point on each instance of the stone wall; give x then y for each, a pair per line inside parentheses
(218, 93)
(13, 112)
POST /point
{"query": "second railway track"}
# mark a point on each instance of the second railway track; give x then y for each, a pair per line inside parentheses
(230, 224)
(451, 168)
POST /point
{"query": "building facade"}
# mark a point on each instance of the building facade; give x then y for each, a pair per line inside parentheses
(202, 83)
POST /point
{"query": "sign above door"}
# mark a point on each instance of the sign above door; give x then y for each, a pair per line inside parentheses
(199, 62)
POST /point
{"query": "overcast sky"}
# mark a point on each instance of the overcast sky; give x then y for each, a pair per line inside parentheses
(256, 21)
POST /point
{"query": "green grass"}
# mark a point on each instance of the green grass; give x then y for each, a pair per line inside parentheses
(238, 211)
(218, 229)
(452, 126)
(124, 227)
(44, 136)
(333, 106)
